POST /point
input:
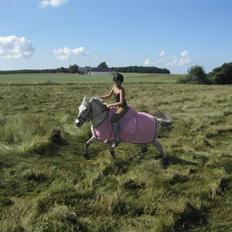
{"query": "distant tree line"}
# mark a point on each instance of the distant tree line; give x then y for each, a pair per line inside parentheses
(220, 75)
(102, 67)
(134, 69)
(141, 69)
(71, 69)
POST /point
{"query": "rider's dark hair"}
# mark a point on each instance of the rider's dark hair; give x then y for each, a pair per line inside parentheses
(118, 77)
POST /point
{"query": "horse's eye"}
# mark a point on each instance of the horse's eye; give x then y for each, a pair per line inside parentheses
(86, 110)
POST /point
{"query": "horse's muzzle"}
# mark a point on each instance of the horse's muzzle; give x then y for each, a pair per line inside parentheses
(78, 122)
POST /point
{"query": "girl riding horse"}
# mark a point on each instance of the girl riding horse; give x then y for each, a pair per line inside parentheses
(121, 106)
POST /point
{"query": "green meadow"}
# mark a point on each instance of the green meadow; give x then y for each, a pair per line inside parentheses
(60, 78)
(47, 185)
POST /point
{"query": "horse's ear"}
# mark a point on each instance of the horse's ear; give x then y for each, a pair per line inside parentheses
(85, 99)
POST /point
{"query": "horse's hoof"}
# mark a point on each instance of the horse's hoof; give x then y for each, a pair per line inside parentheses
(144, 150)
(86, 156)
(164, 162)
(113, 155)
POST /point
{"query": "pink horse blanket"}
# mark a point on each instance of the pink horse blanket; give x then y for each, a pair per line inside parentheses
(135, 127)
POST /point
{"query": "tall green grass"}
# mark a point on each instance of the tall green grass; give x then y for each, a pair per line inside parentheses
(46, 183)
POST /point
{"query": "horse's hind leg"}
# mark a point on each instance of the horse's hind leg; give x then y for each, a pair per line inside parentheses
(159, 147)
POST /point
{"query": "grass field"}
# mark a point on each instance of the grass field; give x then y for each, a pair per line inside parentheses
(47, 185)
(82, 79)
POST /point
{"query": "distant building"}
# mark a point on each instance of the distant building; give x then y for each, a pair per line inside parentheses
(94, 71)
(101, 71)
(82, 70)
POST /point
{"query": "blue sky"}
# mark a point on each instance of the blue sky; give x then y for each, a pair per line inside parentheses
(173, 34)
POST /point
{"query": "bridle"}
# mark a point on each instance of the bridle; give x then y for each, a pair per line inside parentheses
(83, 119)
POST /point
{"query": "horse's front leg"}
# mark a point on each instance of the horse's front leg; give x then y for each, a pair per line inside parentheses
(112, 151)
(87, 144)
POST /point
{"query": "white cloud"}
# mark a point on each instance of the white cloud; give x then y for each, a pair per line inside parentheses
(66, 53)
(181, 60)
(13, 47)
(184, 58)
(53, 3)
(147, 61)
(161, 54)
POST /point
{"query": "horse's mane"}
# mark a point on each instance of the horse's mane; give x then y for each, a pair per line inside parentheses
(97, 100)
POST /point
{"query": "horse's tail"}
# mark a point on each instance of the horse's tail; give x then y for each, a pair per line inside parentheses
(164, 118)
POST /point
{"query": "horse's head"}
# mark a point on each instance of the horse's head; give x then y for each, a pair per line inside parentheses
(84, 110)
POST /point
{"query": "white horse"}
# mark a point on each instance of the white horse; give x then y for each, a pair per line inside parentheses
(135, 127)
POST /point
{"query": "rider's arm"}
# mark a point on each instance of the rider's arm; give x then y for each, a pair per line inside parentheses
(107, 95)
